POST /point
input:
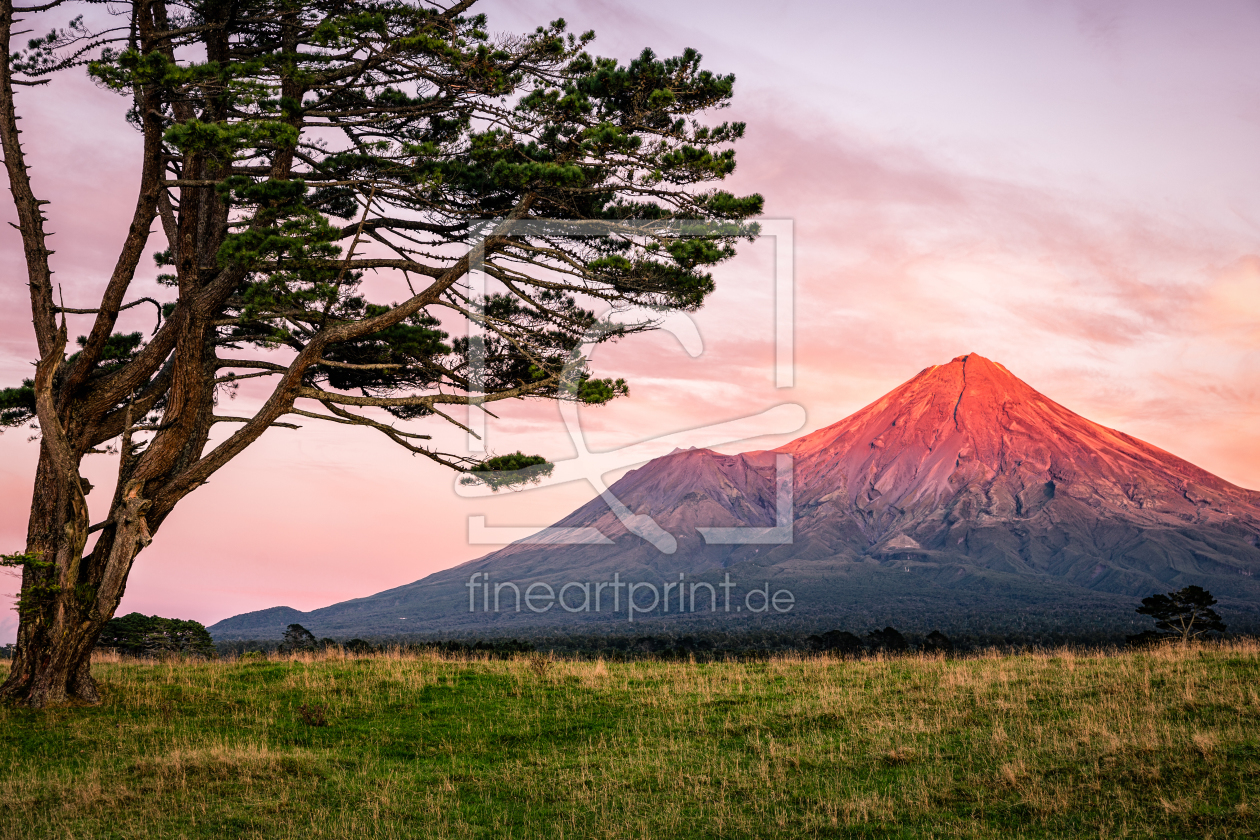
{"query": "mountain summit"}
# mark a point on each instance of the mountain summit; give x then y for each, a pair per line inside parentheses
(968, 447)
(964, 492)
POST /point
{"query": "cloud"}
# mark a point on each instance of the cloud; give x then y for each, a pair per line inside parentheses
(1230, 308)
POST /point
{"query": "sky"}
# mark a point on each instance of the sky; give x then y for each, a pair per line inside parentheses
(1071, 189)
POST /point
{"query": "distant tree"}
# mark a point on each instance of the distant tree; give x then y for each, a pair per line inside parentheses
(1187, 612)
(1145, 639)
(136, 634)
(359, 646)
(332, 182)
(937, 642)
(298, 638)
(837, 641)
(887, 639)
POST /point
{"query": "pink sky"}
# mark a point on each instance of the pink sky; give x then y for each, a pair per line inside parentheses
(1071, 189)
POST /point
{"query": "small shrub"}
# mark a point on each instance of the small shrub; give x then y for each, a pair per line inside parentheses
(540, 664)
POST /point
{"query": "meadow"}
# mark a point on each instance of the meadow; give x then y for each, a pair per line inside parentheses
(1155, 743)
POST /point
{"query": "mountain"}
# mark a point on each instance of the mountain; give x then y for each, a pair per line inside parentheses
(963, 498)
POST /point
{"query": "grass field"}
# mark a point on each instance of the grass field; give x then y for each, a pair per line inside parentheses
(1164, 743)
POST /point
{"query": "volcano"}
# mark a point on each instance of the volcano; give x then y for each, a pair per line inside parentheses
(962, 499)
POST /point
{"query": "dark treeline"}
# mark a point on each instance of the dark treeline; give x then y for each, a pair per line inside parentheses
(1183, 615)
(704, 646)
(700, 646)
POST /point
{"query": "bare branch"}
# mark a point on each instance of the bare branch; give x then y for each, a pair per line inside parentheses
(30, 216)
(429, 401)
(249, 363)
(157, 305)
(232, 377)
(24, 9)
(219, 419)
(349, 366)
(137, 235)
(341, 275)
(356, 420)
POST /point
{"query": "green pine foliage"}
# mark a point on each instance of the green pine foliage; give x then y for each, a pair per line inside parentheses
(514, 470)
(414, 130)
(17, 405)
(136, 634)
(297, 638)
(1186, 613)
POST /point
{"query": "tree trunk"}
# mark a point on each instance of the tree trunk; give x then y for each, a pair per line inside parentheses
(67, 596)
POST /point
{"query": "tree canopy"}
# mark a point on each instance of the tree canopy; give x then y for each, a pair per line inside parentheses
(137, 634)
(343, 187)
(298, 638)
(1186, 613)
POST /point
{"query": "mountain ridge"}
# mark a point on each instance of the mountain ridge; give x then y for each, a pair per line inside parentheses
(964, 475)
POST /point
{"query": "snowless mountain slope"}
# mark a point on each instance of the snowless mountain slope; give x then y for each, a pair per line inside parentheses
(981, 493)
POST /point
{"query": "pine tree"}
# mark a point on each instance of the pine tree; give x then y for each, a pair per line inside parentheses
(1187, 612)
(149, 635)
(889, 639)
(839, 641)
(328, 176)
(298, 638)
(937, 642)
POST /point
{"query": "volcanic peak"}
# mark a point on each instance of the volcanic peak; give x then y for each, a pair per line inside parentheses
(939, 462)
(992, 494)
(972, 428)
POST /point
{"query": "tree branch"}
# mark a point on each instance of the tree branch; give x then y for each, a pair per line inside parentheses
(349, 366)
(30, 217)
(137, 302)
(137, 234)
(219, 419)
(356, 420)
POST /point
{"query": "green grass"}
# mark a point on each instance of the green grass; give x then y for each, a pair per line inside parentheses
(1154, 744)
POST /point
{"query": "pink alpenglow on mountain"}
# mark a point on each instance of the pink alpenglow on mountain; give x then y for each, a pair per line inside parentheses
(968, 444)
(963, 498)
